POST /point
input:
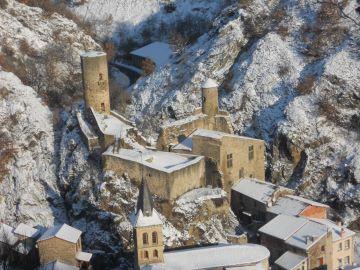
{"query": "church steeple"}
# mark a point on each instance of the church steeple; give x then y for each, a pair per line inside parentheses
(145, 202)
(148, 235)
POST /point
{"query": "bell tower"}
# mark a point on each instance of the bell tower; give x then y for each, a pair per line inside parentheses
(148, 235)
(96, 81)
(210, 103)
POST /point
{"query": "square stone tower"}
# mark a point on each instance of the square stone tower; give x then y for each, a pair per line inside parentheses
(148, 235)
(96, 81)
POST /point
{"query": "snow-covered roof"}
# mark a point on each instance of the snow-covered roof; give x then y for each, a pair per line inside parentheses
(283, 226)
(145, 221)
(158, 52)
(56, 265)
(183, 121)
(6, 235)
(309, 202)
(209, 83)
(83, 256)
(255, 189)
(26, 230)
(111, 125)
(295, 231)
(92, 54)
(187, 144)
(64, 232)
(163, 161)
(217, 256)
(290, 260)
(335, 229)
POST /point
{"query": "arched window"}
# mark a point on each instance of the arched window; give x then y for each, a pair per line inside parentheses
(155, 253)
(154, 238)
(146, 254)
(145, 239)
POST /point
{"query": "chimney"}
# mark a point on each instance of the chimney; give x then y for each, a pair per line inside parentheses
(309, 239)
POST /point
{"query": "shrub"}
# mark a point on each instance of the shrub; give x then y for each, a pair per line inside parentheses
(306, 85)
(283, 70)
(3, 4)
(147, 66)
(27, 49)
(283, 30)
(110, 49)
(7, 152)
(170, 7)
(7, 48)
(327, 109)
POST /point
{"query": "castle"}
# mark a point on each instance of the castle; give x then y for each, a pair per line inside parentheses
(203, 151)
(198, 151)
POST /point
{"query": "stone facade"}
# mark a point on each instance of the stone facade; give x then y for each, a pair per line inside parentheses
(208, 117)
(57, 249)
(96, 81)
(167, 184)
(149, 247)
(342, 253)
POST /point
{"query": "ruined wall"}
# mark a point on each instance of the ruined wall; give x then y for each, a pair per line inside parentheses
(210, 103)
(96, 81)
(57, 249)
(140, 247)
(167, 186)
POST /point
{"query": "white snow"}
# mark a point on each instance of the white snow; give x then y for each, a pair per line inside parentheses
(145, 221)
(64, 232)
(83, 256)
(209, 83)
(26, 230)
(158, 52)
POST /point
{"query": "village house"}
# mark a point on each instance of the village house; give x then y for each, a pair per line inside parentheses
(251, 198)
(317, 242)
(169, 174)
(62, 243)
(228, 157)
(150, 254)
(207, 117)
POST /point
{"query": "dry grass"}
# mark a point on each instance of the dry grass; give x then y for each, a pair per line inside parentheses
(327, 109)
(27, 49)
(147, 66)
(306, 85)
(3, 4)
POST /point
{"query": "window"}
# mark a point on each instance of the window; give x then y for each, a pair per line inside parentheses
(347, 244)
(251, 152)
(321, 261)
(229, 159)
(103, 107)
(146, 254)
(145, 239)
(241, 173)
(347, 260)
(154, 238)
(339, 263)
(340, 247)
(155, 253)
(322, 248)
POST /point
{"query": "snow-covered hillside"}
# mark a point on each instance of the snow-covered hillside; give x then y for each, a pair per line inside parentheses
(297, 90)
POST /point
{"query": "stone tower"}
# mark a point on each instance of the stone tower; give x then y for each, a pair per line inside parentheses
(96, 81)
(210, 104)
(148, 235)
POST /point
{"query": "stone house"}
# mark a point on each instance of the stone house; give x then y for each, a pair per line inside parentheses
(169, 175)
(62, 243)
(342, 244)
(209, 116)
(298, 235)
(228, 157)
(149, 247)
(251, 198)
(290, 261)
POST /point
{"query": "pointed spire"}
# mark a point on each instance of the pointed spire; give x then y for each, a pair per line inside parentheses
(145, 202)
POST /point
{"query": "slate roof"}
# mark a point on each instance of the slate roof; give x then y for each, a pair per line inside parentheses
(158, 52)
(64, 232)
(255, 189)
(290, 260)
(335, 229)
(306, 201)
(295, 231)
(145, 202)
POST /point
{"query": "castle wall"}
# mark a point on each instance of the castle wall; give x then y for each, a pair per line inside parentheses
(244, 164)
(167, 186)
(57, 249)
(96, 81)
